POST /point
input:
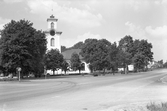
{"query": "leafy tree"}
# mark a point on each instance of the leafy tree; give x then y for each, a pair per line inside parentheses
(75, 62)
(126, 44)
(96, 53)
(165, 65)
(125, 51)
(142, 50)
(53, 60)
(160, 62)
(88, 51)
(139, 61)
(78, 45)
(38, 58)
(113, 57)
(22, 46)
(104, 47)
(65, 66)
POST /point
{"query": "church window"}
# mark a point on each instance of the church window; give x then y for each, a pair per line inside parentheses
(52, 25)
(52, 42)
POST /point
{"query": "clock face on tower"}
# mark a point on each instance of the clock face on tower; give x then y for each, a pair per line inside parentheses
(52, 32)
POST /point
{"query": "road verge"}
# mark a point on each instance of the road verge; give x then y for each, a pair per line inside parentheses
(164, 79)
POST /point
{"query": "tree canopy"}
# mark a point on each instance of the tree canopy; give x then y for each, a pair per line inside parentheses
(101, 54)
(22, 46)
(75, 62)
(142, 54)
(96, 53)
(113, 57)
(125, 48)
(65, 66)
(53, 60)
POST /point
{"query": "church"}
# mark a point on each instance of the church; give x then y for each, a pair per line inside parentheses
(53, 42)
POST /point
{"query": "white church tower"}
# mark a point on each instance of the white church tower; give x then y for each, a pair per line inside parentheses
(52, 34)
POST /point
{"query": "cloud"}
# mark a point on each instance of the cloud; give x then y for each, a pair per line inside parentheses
(161, 2)
(138, 4)
(131, 26)
(3, 22)
(156, 36)
(68, 42)
(12, 1)
(160, 32)
(66, 13)
(135, 31)
(147, 32)
(164, 1)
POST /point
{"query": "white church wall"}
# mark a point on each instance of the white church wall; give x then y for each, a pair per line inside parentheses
(56, 44)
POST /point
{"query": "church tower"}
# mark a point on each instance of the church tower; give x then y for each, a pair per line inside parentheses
(52, 34)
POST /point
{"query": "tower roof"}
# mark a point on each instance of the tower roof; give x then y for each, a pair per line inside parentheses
(52, 18)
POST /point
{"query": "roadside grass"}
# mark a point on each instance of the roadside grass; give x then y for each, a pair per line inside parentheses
(157, 107)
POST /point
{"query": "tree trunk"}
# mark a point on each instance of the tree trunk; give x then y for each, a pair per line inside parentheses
(53, 72)
(113, 71)
(125, 69)
(104, 72)
(79, 71)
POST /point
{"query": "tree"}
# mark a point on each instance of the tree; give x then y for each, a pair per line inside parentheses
(139, 61)
(165, 65)
(22, 46)
(53, 60)
(113, 57)
(142, 50)
(78, 45)
(65, 66)
(125, 52)
(88, 51)
(95, 52)
(160, 62)
(75, 62)
(38, 58)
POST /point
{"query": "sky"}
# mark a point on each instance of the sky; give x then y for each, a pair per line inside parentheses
(100, 19)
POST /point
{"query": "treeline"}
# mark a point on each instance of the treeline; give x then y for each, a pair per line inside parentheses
(102, 54)
(23, 46)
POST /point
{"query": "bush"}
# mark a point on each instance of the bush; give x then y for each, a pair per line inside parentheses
(157, 107)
